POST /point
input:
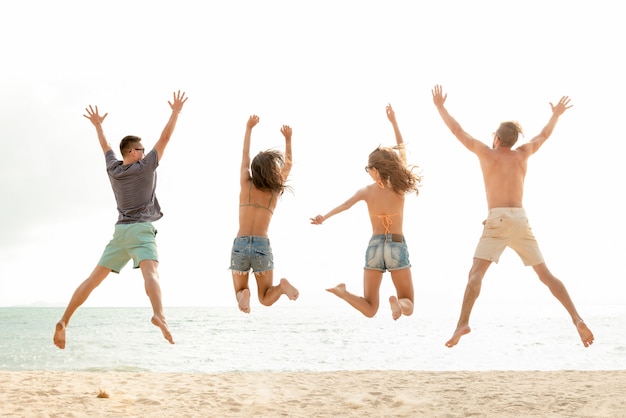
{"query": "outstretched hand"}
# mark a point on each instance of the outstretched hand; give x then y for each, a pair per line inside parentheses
(561, 106)
(391, 115)
(179, 101)
(286, 131)
(317, 220)
(252, 121)
(94, 116)
(438, 97)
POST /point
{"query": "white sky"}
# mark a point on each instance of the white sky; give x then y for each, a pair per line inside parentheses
(327, 68)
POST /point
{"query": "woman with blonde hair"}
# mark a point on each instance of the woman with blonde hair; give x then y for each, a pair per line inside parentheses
(387, 249)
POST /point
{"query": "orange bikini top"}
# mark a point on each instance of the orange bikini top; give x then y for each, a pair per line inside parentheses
(386, 220)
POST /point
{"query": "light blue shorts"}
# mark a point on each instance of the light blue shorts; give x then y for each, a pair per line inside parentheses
(251, 253)
(136, 241)
(387, 252)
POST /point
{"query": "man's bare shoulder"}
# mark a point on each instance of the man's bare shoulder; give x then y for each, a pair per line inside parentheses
(503, 156)
(512, 152)
(486, 154)
(525, 148)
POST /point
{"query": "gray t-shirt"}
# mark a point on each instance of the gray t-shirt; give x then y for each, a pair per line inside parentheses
(134, 187)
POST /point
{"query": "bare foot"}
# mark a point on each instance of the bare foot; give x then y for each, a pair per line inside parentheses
(339, 290)
(585, 333)
(243, 300)
(59, 334)
(286, 287)
(160, 322)
(458, 333)
(396, 308)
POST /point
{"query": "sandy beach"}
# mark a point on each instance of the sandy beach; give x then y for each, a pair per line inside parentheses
(324, 394)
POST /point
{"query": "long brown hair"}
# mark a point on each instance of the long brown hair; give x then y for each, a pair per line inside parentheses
(266, 171)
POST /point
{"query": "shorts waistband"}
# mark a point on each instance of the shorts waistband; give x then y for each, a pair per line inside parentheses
(388, 237)
(500, 211)
(252, 238)
(132, 224)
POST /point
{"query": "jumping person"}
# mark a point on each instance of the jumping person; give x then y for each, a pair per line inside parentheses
(504, 171)
(262, 180)
(387, 249)
(134, 183)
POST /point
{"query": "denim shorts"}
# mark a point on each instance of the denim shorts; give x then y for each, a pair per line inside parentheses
(136, 241)
(387, 252)
(251, 253)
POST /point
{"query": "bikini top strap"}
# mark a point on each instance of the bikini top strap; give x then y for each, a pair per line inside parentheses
(386, 220)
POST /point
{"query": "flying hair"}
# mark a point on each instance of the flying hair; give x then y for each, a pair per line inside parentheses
(400, 177)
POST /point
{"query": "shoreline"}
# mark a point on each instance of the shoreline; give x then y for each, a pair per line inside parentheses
(393, 393)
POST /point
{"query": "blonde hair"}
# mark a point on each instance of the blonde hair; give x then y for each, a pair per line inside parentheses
(508, 132)
(393, 171)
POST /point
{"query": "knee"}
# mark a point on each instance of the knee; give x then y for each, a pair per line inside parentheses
(371, 311)
(549, 279)
(151, 278)
(475, 277)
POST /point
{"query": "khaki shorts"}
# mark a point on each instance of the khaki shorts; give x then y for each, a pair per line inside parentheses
(508, 227)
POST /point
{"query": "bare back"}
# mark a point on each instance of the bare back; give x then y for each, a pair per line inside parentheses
(504, 171)
(256, 208)
(386, 209)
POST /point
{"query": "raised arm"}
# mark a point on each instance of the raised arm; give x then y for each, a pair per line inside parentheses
(359, 195)
(286, 131)
(95, 118)
(391, 115)
(245, 157)
(177, 106)
(466, 139)
(534, 144)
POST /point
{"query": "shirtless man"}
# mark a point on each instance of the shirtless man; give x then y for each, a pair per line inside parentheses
(504, 170)
(134, 184)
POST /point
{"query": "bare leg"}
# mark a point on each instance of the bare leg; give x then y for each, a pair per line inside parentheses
(368, 304)
(560, 292)
(79, 297)
(153, 289)
(268, 293)
(242, 292)
(472, 290)
(403, 303)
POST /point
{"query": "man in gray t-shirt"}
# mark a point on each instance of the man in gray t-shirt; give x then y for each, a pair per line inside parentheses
(134, 185)
(133, 180)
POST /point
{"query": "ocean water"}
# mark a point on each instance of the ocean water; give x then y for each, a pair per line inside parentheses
(296, 338)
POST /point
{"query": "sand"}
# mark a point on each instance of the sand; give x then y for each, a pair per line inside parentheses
(306, 394)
